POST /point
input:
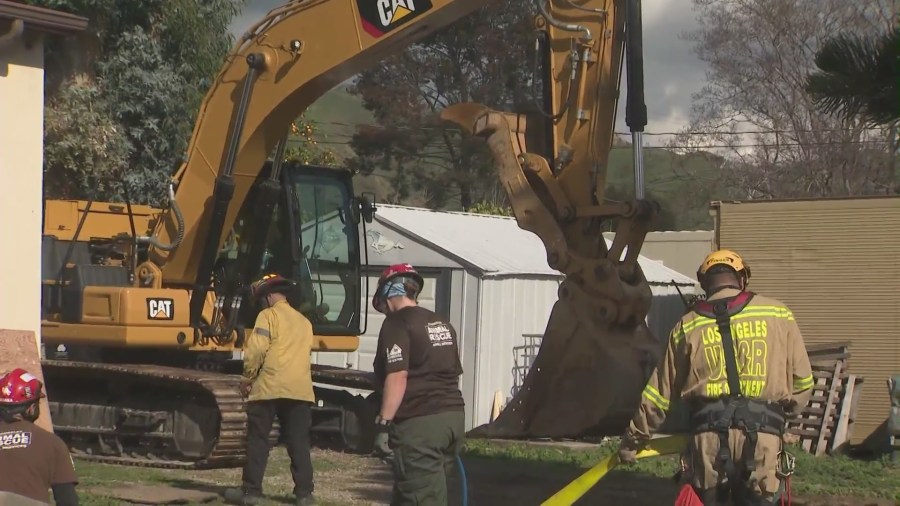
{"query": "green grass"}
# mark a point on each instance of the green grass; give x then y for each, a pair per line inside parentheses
(347, 480)
(826, 475)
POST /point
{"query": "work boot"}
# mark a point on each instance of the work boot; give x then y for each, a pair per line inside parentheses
(237, 496)
(307, 500)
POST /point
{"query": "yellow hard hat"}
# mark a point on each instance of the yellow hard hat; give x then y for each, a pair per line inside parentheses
(724, 257)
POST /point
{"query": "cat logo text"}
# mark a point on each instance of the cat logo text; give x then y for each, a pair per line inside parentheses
(160, 309)
(381, 16)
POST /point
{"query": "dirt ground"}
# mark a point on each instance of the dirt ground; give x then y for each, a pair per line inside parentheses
(513, 483)
(350, 480)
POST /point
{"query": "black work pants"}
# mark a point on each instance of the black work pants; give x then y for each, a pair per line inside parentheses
(295, 420)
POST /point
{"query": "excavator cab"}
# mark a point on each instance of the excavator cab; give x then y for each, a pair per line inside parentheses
(308, 231)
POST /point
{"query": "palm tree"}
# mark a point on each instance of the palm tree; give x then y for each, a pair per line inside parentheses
(859, 77)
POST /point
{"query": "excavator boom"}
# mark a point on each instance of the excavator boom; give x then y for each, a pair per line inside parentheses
(280, 66)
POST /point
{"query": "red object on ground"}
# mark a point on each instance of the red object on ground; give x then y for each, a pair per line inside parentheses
(687, 497)
(787, 492)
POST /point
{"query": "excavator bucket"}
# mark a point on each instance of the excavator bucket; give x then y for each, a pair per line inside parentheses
(597, 352)
(586, 379)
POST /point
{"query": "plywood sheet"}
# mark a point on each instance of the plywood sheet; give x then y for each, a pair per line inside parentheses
(19, 348)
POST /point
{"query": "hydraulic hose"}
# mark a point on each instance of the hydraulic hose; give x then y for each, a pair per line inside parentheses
(179, 234)
(465, 485)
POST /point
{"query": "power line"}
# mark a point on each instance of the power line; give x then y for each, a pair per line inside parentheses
(750, 132)
(711, 146)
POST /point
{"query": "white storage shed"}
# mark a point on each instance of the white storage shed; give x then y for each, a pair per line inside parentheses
(492, 280)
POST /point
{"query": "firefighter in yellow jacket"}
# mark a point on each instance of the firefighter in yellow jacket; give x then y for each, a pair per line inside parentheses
(277, 382)
(737, 440)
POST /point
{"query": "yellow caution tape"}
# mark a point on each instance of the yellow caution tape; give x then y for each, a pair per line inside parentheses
(573, 491)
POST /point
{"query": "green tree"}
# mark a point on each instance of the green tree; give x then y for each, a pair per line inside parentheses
(755, 111)
(490, 208)
(859, 77)
(84, 148)
(303, 145)
(122, 97)
(480, 59)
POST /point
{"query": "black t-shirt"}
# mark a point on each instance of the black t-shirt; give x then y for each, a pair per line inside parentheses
(419, 341)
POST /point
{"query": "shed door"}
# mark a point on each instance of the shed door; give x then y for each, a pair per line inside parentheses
(434, 291)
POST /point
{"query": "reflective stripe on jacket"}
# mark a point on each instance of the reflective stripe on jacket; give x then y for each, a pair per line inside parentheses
(771, 358)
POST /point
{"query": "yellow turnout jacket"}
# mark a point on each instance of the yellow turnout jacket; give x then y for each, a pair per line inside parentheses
(277, 355)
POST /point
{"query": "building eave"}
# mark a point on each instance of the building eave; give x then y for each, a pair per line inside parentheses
(43, 20)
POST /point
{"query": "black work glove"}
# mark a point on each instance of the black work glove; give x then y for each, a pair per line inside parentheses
(382, 448)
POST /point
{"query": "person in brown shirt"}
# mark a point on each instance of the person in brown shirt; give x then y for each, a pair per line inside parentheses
(738, 362)
(422, 416)
(32, 460)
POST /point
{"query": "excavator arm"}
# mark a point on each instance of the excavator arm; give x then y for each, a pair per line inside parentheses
(597, 351)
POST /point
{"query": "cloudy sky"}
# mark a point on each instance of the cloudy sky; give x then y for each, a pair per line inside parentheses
(671, 71)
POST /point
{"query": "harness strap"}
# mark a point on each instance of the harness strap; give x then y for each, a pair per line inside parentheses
(723, 320)
(723, 310)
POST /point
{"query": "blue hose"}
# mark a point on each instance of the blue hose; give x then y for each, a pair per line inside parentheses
(465, 485)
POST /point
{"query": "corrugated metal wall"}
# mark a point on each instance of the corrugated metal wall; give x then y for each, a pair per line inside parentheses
(465, 316)
(510, 307)
(836, 263)
(666, 308)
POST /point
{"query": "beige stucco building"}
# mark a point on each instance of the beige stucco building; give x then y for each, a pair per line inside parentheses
(23, 29)
(681, 251)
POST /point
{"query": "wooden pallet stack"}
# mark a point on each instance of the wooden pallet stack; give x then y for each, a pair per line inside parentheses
(826, 423)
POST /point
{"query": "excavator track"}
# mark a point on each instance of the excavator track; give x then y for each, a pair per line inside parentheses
(148, 415)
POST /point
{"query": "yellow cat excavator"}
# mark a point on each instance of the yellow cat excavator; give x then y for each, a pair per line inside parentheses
(144, 308)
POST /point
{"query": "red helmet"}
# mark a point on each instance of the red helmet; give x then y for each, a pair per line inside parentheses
(18, 387)
(395, 271)
(270, 283)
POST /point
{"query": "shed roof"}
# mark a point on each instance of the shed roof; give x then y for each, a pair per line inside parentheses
(494, 245)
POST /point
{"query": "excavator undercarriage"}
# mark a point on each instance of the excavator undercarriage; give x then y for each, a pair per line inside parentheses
(147, 414)
(177, 417)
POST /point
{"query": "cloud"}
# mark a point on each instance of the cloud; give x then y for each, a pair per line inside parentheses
(252, 12)
(671, 71)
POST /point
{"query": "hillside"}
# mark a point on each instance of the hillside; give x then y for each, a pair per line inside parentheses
(684, 184)
(336, 115)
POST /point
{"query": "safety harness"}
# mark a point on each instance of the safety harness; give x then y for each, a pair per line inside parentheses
(752, 416)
